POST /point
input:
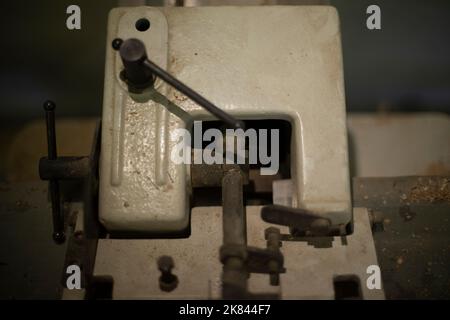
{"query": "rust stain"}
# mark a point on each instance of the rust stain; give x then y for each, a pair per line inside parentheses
(179, 96)
(437, 168)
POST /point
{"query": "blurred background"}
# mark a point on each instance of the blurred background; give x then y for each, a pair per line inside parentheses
(405, 66)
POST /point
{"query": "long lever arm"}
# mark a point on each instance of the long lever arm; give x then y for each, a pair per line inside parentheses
(140, 71)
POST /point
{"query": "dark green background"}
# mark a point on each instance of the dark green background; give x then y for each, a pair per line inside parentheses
(405, 66)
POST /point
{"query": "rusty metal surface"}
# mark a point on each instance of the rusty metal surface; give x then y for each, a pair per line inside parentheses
(414, 252)
(64, 168)
(401, 191)
(412, 233)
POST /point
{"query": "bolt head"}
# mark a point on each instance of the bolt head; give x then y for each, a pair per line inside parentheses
(165, 263)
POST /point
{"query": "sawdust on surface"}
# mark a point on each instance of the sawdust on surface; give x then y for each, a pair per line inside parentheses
(429, 190)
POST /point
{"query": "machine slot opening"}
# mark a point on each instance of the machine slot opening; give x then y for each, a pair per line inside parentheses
(258, 190)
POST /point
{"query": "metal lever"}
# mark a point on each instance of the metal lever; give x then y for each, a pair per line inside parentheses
(239, 260)
(299, 219)
(54, 168)
(58, 219)
(140, 72)
(234, 250)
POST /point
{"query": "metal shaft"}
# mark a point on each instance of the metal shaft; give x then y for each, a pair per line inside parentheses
(193, 95)
(235, 275)
(140, 71)
(58, 221)
(234, 220)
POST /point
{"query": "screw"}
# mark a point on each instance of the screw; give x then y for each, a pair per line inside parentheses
(273, 237)
(274, 243)
(167, 281)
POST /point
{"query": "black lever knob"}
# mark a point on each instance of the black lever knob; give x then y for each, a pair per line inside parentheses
(133, 54)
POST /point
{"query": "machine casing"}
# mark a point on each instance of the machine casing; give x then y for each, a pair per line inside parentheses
(280, 62)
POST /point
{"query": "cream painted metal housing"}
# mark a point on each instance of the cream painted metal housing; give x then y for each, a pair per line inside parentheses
(311, 267)
(280, 62)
